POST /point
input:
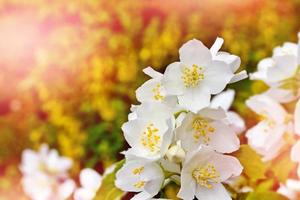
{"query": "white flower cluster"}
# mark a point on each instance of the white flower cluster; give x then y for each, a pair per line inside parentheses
(178, 133)
(45, 174)
(45, 177)
(278, 127)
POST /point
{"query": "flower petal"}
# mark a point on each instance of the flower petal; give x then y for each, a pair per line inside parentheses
(295, 153)
(297, 118)
(90, 179)
(172, 80)
(194, 52)
(195, 99)
(217, 192)
(224, 139)
(223, 100)
(217, 76)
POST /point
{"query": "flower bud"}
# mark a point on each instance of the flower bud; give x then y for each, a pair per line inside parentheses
(176, 153)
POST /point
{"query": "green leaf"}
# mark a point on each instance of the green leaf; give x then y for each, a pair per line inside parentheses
(254, 168)
(108, 190)
(265, 196)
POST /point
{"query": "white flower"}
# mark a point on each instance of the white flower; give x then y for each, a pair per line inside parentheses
(225, 100)
(140, 176)
(153, 89)
(46, 161)
(151, 132)
(266, 138)
(207, 128)
(281, 72)
(295, 153)
(196, 76)
(232, 60)
(90, 182)
(203, 172)
(291, 189)
(45, 174)
(40, 186)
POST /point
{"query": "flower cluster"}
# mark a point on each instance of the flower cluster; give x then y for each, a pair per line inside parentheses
(278, 127)
(178, 133)
(45, 177)
(45, 174)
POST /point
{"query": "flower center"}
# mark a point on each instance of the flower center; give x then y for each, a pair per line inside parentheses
(139, 184)
(292, 83)
(138, 171)
(202, 129)
(205, 175)
(157, 94)
(150, 138)
(192, 76)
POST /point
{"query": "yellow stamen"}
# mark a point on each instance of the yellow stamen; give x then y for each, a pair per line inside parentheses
(205, 175)
(202, 129)
(138, 170)
(192, 76)
(157, 94)
(150, 138)
(139, 184)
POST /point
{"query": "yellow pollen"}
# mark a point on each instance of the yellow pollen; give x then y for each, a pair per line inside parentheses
(270, 122)
(192, 77)
(138, 170)
(139, 184)
(202, 129)
(205, 175)
(150, 138)
(157, 94)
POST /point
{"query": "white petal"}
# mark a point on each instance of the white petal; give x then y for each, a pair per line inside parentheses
(236, 122)
(239, 76)
(264, 105)
(142, 196)
(262, 68)
(30, 161)
(285, 67)
(172, 80)
(226, 166)
(293, 185)
(283, 190)
(297, 118)
(224, 139)
(90, 179)
(194, 52)
(194, 99)
(216, 46)
(152, 73)
(280, 95)
(188, 186)
(212, 113)
(217, 76)
(66, 189)
(84, 194)
(218, 192)
(295, 153)
(232, 60)
(298, 49)
(223, 100)
(145, 92)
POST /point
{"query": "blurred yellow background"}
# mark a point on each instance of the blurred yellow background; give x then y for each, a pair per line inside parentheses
(69, 69)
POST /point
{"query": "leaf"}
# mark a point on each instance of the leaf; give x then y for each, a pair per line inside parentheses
(108, 190)
(265, 196)
(264, 186)
(282, 166)
(254, 168)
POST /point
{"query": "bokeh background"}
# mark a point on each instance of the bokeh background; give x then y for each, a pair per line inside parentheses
(69, 69)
